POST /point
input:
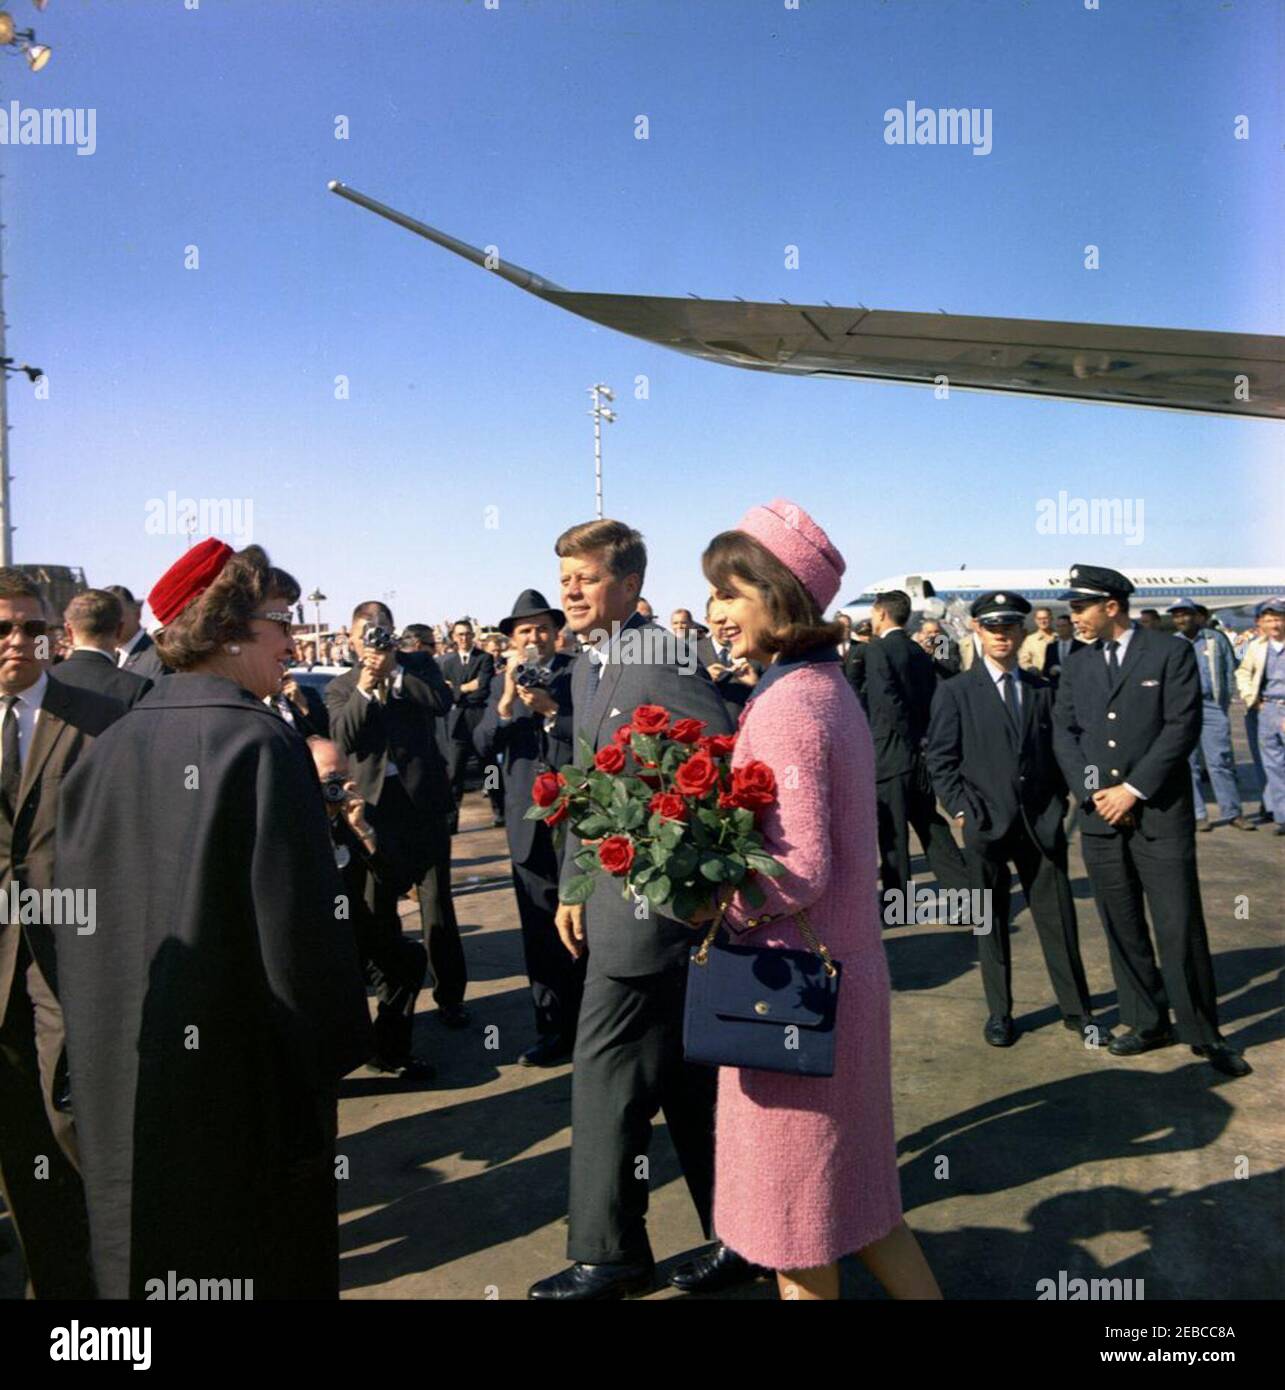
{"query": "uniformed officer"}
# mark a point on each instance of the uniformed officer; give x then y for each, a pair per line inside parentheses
(990, 756)
(1260, 677)
(1126, 719)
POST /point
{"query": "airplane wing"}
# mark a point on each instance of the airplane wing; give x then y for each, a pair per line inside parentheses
(1166, 368)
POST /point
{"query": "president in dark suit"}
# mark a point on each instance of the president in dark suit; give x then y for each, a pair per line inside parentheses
(135, 650)
(46, 726)
(93, 620)
(990, 755)
(1126, 719)
(468, 671)
(898, 685)
(383, 714)
(528, 723)
(628, 1057)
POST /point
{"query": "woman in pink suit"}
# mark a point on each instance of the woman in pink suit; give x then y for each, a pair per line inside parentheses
(806, 1167)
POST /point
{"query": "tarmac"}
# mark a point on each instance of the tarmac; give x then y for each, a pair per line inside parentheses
(1016, 1164)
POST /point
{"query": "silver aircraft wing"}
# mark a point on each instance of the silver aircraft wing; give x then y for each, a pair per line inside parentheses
(1167, 368)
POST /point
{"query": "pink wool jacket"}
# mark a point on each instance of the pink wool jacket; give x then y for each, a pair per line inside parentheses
(806, 1167)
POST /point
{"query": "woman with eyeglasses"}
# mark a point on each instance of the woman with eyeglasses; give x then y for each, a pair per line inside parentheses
(217, 1000)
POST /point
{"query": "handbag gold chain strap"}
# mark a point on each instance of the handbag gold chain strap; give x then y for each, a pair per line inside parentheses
(805, 930)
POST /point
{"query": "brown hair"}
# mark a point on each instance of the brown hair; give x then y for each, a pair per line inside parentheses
(95, 613)
(626, 552)
(222, 613)
(797, 624)
(15, 584)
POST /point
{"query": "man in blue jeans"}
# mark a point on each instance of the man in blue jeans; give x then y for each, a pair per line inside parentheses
(1216, 662)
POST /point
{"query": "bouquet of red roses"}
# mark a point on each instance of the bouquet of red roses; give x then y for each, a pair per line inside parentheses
(661, 809)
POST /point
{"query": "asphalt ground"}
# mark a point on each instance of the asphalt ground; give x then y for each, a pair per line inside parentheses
(1016, 1164)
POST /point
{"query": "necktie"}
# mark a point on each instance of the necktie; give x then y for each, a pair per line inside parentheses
(1010, 698)
(11, 768)
(1113, 661)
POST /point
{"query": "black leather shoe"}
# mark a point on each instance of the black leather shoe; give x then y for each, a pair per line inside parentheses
(1224, 1059)
(548, 1052)
(1130, 1044)
(412, 1069)
(999, 1032)
(715, 1270)
(582, 1283)
(1081, 1024)
(453, 1015)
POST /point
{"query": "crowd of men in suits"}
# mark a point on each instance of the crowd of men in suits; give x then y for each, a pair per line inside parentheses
(997, 730)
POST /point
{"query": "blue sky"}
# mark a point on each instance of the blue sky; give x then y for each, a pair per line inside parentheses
(515, 126)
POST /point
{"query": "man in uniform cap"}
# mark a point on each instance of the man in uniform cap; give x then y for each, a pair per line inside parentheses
(1216, 663)
(990, 755)
(1261, 681)
(1126, 719)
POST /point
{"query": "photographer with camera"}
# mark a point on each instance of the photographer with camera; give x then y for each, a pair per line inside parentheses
(395, 967)
(468, 671)
(383, 714)
(528, 721)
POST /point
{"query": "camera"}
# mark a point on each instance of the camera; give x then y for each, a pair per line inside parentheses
(333, 791)
(379, 639)
(528, 674)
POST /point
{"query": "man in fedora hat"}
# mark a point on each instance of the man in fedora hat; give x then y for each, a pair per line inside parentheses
(528, 722)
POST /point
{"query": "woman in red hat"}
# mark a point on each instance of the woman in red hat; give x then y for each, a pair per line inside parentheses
(218, 998)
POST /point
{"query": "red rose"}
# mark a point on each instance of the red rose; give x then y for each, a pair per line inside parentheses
(697, 775)
(548, 787)
(718, 745)
(754, 785)
(616, 854)
(621, 736)
(610, 759)
(555, 816)
(728, 801)
(687, 730)
(669, 805)
(650, 719)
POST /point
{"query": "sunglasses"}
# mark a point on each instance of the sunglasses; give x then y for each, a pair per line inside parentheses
(33, 627)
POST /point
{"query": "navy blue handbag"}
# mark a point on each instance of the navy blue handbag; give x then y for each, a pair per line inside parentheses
(762, 1008)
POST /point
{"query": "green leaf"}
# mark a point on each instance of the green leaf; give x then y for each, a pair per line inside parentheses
(686, 901)
(659, 891)
(765, 864)
(645, 747)
(710, 819)
(683, 862)
(645, 875)
(534, 812)
(752, 894)
(587, 859)
(619, 794)
(633, 816)
(600, 788)
(586, 752)
(670, 834)
(743, 820)
(736, 869)
(592, 826)
(577, 889)
(714, 868)
(660, 856)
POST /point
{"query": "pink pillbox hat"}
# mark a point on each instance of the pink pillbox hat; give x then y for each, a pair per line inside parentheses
(800, 544)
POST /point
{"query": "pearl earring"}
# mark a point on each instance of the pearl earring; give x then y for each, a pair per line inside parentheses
(232, 649)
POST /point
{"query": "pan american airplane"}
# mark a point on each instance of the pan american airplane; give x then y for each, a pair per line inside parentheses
(1165, 368)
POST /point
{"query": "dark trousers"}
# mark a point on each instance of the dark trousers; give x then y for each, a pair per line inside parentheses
(1048, 894)
(421, 842)
(395, 969)
(904, 801)
(629, 1064)
(556, 976)
(1127, 871)
(460, 752)
(39, 1167)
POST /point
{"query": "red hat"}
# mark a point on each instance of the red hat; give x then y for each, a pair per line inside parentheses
(187, 578)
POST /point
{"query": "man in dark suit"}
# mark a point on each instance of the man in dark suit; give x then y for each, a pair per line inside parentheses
(990, 755)
(135, 650)
(734, 681)
(899, 684)
(528, 723)
(1059, 650)
(302, 707)
(383, 715)
(93, 620)
(468, 671)
(46, 725)
(940, 646)
(629, 1055)
(1126, 719)
(394, 967)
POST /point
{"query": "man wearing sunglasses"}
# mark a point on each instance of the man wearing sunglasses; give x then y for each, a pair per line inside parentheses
(45, 726)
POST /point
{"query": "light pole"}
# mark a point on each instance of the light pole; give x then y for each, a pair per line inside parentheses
(600, 412)
(318, 598)
(21, 41)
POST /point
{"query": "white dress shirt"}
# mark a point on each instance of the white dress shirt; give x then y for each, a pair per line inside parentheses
(124, 653)
(997, 674)
(27, 708)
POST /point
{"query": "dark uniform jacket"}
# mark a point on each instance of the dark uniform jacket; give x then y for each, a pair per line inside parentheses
(216, 1004)
(527, 751)
(899, 685)
(619, 943)
(982, 766)
(1139, 729)
(90, 670)
(459, 727)
(145, 660)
